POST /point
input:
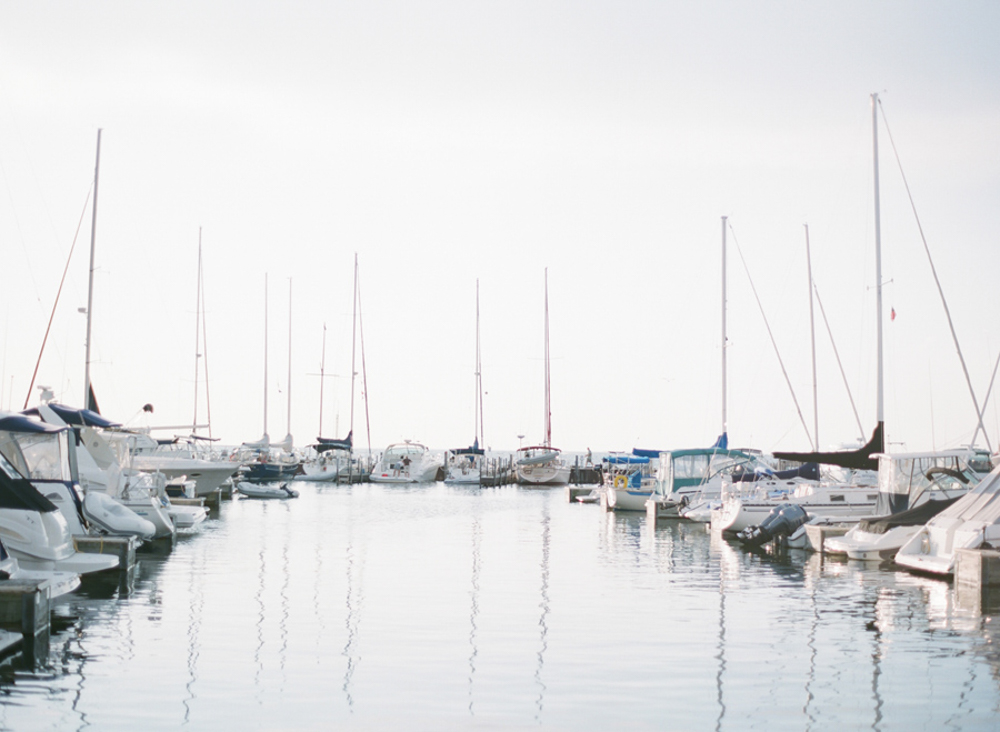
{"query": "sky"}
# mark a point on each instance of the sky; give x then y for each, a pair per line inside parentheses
(448, 143)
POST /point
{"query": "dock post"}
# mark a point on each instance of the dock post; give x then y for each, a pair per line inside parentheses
(24, 604)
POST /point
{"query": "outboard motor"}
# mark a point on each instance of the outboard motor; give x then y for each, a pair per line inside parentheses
(781, 522)
(292, 493)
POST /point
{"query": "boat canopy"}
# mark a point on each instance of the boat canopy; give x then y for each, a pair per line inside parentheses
(861, 459)
(911, 517)
(640, 452)
(75, 417)
(626, 460)
(903, 479)
(24, 423)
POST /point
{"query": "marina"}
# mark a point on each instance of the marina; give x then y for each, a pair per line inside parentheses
(439, 607)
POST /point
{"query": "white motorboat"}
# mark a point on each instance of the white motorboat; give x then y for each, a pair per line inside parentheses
(60, 583)
(628, 481)
(35, 532)
(44, 455)
(913, 488)
(181, 458)
(971, 522)
(739, 511)
(406, 462)
(266, 490)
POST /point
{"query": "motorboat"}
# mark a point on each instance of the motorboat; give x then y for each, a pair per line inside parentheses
(104, 466)
(35, 532)
(182, 458)
(44, 455)
(971, 522)
(687, 479)
(263, 490)
(60, 583)
(913, 488)
(628, 481)
(739, 511)
(406, 462)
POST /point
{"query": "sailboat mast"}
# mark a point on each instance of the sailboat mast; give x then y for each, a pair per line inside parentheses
(725, 426)
(90, 285)
(322, 378)
(812, 335)
(880, 407)
(197, 337)
(354, 338)
(265, 357)
(288, 390)
(479, 383)
(548, 393)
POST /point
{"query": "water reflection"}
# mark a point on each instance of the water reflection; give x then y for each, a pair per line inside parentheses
(543, 627)
(474, 605)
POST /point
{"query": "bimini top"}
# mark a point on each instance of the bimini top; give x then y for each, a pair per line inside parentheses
(22, 423)
(76, 417)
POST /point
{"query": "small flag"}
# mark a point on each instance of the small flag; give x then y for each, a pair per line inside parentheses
(892, 314)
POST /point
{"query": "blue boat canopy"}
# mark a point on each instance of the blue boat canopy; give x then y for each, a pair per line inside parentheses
(626, 460)
(641, 452)
(23, 423)
(329, 443)
(76, 417)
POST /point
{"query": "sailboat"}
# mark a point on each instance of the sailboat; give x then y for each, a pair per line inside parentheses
(464, 465)
(543, 464)
(264, 461)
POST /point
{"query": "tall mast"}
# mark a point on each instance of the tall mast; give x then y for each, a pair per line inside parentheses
(288, 390)
(197, 338)
(354, 338)
(880, 407)
(266, 439)
(322, 378)
(479, 382)
(725, 426)
(90, 285)
(812, 335)
(548, 393)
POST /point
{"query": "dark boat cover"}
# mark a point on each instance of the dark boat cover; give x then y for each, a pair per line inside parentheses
(76, 417)
(855, 459)
(913, 517)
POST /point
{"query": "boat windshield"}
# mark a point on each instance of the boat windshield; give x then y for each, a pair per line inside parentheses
(36, 455)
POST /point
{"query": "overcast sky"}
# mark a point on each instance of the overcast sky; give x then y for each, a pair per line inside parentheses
(445, 142)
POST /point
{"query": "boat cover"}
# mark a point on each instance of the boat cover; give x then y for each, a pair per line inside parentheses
(640, 452)
(24, 423)
(913, 517)
(76, 417)
(626, 460)
(860, 459)
(328, 443)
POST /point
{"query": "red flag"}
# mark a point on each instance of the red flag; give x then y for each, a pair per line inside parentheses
(892, 314)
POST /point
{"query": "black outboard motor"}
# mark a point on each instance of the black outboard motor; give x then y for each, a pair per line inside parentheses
(781, 522)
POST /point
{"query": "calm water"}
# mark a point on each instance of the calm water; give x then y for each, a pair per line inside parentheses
(437, 607)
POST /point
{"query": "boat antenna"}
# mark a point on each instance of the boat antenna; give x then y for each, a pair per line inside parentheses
(90, 287)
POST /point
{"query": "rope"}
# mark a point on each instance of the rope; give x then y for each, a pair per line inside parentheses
(947, 312)
(771, 335)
